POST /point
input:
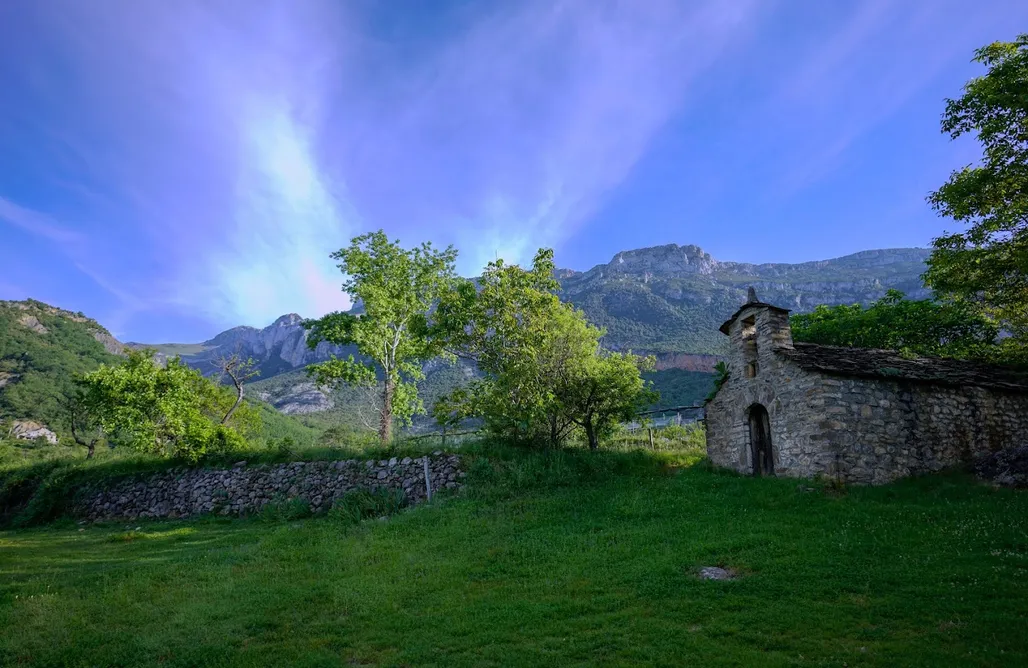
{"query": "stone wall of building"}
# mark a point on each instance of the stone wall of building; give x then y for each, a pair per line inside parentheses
(880, 430)
(861, 430)
(246, 489)
(791, 395)
(795, 408)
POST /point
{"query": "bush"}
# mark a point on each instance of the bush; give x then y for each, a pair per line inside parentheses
(361, 504)
(286, 511)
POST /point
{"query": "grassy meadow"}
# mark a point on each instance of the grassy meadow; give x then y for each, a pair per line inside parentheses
(570, 558)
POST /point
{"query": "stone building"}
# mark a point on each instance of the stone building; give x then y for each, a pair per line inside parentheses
(859, 415)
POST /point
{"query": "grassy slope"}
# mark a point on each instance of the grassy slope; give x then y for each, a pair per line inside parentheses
(926, 572)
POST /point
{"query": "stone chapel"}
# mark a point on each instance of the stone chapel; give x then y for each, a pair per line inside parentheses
(859, 415)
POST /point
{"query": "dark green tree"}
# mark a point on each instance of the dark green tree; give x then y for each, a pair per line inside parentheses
(923, 327)
(987, 264)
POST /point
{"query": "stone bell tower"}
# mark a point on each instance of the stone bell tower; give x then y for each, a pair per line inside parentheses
(756, 330)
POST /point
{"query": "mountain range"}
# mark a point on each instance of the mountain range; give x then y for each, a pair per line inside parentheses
(667, 301)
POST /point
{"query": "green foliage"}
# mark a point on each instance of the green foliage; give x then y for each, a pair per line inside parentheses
(38, 365)
(544, 371)
(720, 378)
(987, 264)
(679, 387)
(396, 289)
(168, 411)
(686, 442)
(286, 510)
(361, 504)
(920, 328)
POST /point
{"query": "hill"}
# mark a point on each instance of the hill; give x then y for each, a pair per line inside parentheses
(667, 300)
(42, 348)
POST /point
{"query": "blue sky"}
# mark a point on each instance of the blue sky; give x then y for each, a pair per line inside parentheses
(176, 168)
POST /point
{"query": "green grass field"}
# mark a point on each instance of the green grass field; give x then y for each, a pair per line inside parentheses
(574, 559)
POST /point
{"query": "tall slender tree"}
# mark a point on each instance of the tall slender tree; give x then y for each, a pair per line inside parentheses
(396, 289)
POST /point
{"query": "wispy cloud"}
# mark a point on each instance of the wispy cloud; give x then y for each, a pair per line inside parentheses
(874, 63)
(206, 157)
(36, 223)
(250, 140)
(513, 132)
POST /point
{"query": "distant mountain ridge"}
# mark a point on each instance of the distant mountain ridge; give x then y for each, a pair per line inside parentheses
(277, 348)
(667, 301)
(671, 299)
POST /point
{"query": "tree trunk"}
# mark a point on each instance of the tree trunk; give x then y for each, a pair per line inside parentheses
(590, 432)
(553, 431)
(90, 447)
(385, 427)
(239, 400)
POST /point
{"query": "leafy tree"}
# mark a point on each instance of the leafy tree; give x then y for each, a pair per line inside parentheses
(604, 390)
(397, 289)
(84, 427)
(171, 410)
(500, 324)
(987, 264)
(924, 327)
(544, 371)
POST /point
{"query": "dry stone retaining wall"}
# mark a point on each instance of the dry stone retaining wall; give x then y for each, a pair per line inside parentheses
(246, 489)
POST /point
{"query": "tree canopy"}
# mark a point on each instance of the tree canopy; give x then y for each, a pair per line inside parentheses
(396, 288)
(987, 263)
(168, 410)
(544, 373)
(922, 327)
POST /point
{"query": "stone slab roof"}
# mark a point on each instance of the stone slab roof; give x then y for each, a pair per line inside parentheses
(889, 365)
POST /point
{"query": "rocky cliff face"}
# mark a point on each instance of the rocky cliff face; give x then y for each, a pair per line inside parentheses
(671, 299)
(277, 348)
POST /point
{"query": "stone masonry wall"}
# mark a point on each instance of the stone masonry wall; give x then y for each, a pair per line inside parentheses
(246, 489)
(795, 407)
(880, 430)
(791, 396)
(861, 430)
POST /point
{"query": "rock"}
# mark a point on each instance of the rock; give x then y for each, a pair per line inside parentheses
(32, 322)
(1006, 468)
(29, 430)
(716, 573)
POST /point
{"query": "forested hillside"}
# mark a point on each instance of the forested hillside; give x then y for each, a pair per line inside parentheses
(42, 348)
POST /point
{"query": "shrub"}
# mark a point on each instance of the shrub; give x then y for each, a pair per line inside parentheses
(361, 504)
(286, 510)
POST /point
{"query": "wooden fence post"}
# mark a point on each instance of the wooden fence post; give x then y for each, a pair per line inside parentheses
(428, 481)
(650, 432)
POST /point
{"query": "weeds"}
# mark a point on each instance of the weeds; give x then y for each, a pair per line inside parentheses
(358, 505)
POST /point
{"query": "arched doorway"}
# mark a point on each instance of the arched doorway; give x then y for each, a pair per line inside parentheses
(761, 453)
